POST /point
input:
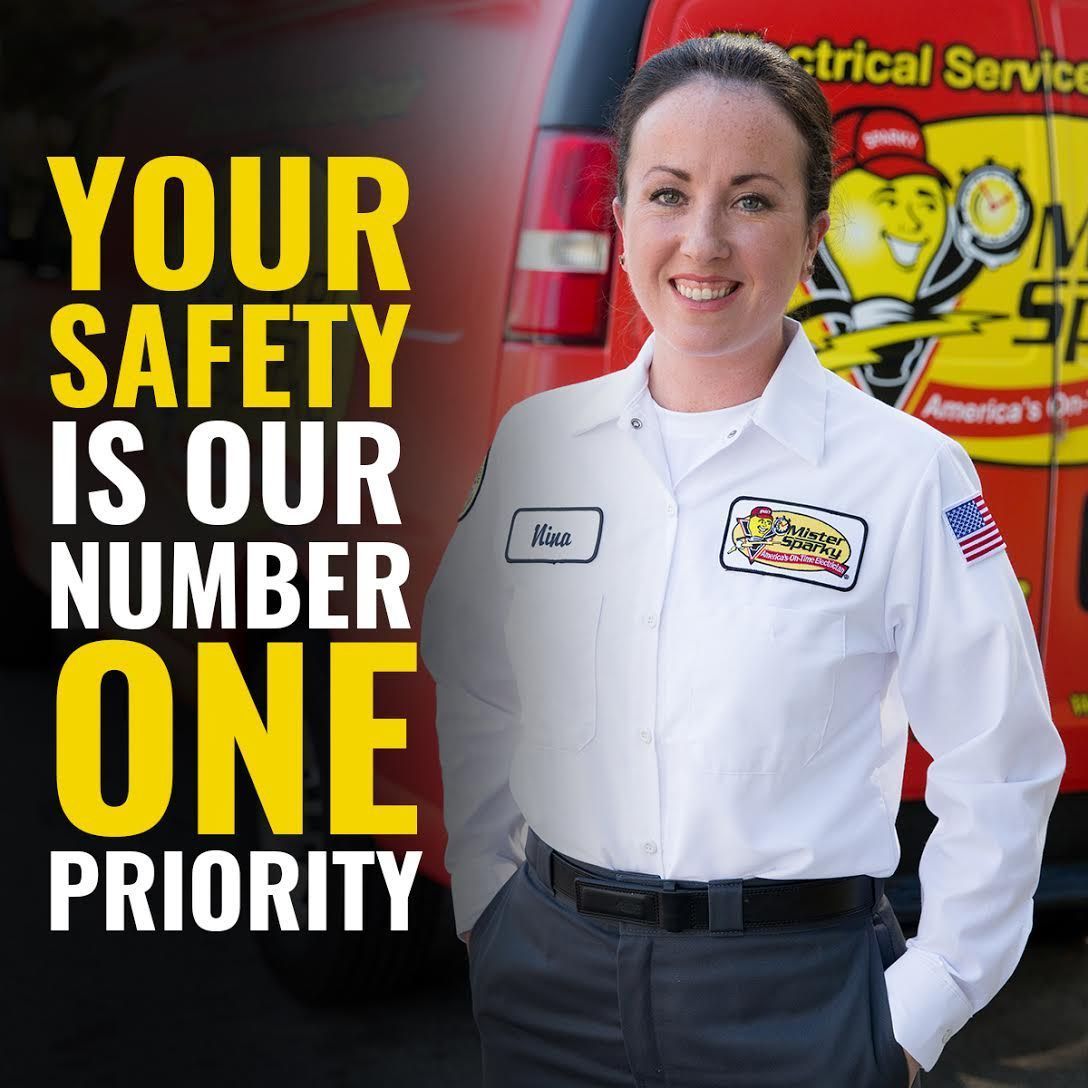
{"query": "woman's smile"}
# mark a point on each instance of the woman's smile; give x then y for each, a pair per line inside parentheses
(701, 294)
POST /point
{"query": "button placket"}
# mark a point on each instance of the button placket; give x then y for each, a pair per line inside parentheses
(642, 432)
(652, 620)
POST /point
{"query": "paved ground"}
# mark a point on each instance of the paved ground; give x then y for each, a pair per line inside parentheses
(178, 1009)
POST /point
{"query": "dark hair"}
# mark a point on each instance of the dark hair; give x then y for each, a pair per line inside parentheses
(742, 59)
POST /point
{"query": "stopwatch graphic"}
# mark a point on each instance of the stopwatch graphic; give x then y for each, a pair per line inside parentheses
(995, 207)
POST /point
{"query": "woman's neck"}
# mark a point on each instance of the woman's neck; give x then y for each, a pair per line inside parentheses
(702, 383)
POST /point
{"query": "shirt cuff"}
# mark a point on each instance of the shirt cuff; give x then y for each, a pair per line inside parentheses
(927, 1006)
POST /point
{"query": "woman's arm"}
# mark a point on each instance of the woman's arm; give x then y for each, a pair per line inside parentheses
(463, 645)
(972, 687)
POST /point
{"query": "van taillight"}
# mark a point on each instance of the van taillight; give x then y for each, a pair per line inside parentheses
(559, 290)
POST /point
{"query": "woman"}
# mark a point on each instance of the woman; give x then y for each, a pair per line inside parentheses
(677, 637)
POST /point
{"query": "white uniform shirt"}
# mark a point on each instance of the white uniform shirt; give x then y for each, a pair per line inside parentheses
(665, 680)
(685, 435)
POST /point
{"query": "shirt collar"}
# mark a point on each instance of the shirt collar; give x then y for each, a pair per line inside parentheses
(791, 408)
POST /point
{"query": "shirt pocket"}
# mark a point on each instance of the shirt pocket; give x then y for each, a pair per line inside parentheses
(762, 686)
(551, 636)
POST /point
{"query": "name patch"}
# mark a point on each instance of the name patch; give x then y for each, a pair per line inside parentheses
(793, 540)
(554, 534)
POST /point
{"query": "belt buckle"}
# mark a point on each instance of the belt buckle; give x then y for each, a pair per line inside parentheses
(608, 901)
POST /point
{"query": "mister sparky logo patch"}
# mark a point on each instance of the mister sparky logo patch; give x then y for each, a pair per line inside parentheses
(793, 540)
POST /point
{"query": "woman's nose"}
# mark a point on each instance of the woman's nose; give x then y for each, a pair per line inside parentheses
(705, 235)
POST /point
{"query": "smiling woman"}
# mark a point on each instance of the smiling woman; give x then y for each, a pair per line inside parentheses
(716, 233)
(677, 638)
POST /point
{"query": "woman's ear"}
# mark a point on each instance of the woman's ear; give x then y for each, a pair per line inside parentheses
(816, 231)
(617, 214)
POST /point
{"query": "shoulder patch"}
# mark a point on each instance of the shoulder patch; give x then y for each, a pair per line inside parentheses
(974, 528)
(474, 490)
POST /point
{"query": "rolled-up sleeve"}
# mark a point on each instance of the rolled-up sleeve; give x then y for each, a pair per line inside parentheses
(972, 686)
(463, 645)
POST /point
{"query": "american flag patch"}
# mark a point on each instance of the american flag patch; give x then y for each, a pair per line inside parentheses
(974, 528)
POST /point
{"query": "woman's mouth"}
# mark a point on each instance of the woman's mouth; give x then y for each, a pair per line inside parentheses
(703, 292)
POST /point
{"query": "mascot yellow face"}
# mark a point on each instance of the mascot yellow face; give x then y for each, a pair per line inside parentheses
(885, 231)
(759, 526)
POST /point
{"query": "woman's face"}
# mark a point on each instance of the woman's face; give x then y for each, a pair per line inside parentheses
(715, 226)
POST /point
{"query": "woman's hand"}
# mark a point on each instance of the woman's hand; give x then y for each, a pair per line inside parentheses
(912, 1068)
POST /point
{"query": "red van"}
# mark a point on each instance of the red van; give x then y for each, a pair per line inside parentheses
(963, 301)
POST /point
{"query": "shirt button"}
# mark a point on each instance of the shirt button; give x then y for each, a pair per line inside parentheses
(671, 509)
(651, 620)
(650, 847)
(731, 434)
(636, 423)
(646, 735)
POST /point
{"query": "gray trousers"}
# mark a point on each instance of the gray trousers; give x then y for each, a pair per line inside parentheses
(562, 1000)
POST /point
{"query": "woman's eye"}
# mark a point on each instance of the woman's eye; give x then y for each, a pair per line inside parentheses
(670, 197)
(753, 203)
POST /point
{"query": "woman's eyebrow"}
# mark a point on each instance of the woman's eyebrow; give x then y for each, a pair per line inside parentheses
(738, 179)
(683, 175)
(743, 179)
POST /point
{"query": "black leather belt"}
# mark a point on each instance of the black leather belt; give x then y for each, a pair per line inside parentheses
(718, 906)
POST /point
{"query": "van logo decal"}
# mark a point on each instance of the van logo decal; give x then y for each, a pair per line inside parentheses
(947, 288)
(951, 284)
(917, 240)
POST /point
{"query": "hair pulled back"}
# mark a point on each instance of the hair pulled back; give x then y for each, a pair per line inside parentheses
(734, 58)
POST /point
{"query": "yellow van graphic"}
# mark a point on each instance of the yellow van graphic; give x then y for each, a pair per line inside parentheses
(935, 289)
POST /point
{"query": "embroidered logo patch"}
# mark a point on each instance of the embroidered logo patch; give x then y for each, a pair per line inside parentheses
(794, 540)
(555, 534)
